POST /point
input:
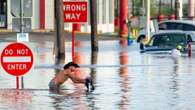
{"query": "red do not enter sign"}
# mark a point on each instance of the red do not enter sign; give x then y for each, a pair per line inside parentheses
(16, 59)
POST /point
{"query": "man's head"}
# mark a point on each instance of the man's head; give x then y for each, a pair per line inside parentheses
(179, 47)
(71, 64)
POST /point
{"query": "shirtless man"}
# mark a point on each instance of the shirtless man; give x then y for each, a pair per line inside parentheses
(70, 71)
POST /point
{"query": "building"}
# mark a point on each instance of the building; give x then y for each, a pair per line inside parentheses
(39, 15)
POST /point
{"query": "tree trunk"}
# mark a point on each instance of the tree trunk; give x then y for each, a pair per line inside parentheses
(160, 4)
(93, 20)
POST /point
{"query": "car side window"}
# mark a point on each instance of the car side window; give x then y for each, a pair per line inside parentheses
(178, 26)
(168, 26)
(162, 26)
(174, 26)
(157, 40)
(178, 38)
(187, 27)
(161, 40)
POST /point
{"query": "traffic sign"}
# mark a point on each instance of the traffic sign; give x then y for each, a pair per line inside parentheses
(16, 59)
(75, 11)
(22, 37)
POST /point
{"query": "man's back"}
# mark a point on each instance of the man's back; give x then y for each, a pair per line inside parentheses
(70, 71)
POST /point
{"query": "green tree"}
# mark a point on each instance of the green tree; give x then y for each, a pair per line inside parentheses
(137, 5)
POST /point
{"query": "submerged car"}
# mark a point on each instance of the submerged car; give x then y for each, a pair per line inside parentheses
(166, 41)
(182, 25)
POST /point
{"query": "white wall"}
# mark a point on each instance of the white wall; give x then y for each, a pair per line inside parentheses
(9, 16)
(35, 14)
(105, 17)
(49, 14)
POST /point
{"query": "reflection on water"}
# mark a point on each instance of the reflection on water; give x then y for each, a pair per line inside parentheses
(15, 99)
(123, 72)
(174, 86)
(66, 100)
(168, 86)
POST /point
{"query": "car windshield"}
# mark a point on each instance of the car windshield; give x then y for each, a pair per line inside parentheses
(168, 40)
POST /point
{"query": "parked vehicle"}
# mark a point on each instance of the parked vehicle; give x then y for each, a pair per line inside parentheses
(183, 25)
(166, 41)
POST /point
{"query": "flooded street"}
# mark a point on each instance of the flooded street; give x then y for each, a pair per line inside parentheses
(125, 79)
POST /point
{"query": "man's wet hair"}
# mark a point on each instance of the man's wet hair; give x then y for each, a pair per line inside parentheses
(71, 64)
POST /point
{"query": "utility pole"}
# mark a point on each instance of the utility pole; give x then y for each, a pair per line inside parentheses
(59, 44)
(178, 9)
(148, 19)
(93, 20)
(21, 32)
(123, 17)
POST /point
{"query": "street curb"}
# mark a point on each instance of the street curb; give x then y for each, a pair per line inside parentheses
(48, 31)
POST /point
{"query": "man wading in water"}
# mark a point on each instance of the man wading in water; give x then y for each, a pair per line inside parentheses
(69, 71)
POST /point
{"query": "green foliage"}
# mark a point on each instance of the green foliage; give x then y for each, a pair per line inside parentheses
(185, 10)
(138, 6)
(166, 10)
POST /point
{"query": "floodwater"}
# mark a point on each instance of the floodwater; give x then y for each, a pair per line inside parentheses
(124, 79)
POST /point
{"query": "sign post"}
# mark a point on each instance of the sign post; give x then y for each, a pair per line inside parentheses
(75, 12)
(17, 60)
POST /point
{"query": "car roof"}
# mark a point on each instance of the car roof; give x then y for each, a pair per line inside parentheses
(179, 21)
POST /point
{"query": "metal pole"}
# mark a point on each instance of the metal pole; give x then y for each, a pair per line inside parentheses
(17, 82)
(123, 16)
(21, 32)
(21, 16)
(22, 82)
(148, 19)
